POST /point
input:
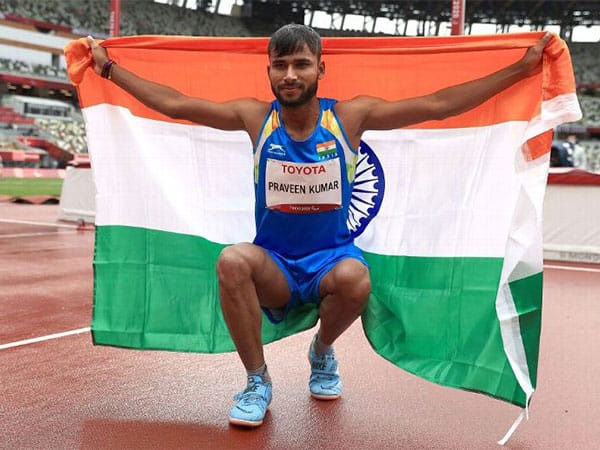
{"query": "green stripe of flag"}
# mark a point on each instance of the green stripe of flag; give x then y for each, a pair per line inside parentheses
(527, 295)
(433, 316)
(158, 290)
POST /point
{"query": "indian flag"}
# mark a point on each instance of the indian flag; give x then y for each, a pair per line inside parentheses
(447, 213)
(326, 148)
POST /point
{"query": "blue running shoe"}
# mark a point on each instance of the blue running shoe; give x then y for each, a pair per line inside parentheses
(325, 382)
(252, 403)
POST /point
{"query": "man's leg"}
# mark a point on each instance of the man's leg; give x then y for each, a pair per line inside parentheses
(345, 291)
(249, 278)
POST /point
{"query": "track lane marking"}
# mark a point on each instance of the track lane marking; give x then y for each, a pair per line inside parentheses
(572, 268)
(48, 337)
(44, 224)
(41, 233)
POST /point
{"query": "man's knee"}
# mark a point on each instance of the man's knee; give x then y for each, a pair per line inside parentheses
(233, 264)
(361, 290)
(353, 283)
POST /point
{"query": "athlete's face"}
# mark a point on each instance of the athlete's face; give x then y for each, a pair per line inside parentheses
(295, 78)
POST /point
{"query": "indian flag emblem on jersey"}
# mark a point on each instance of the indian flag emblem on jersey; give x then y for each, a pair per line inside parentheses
(325, 149)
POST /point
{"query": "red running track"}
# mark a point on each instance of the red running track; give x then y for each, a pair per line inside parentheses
(65, 393)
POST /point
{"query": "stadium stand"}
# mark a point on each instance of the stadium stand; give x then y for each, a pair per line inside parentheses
(13, 153)
(68, 135)
(38, 70)
(55, 141)
(137, 17)
(592, 148)
(590, 105)
(586, 57)
(79, 18)
(11, 119)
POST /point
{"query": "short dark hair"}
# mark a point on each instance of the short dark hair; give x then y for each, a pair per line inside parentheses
(291, 38)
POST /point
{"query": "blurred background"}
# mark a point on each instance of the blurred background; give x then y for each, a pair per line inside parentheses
(41, 127)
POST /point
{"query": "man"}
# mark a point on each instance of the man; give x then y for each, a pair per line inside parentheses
(303, 251)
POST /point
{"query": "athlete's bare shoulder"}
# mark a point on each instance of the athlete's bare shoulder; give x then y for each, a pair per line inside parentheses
(253, 113)
(352, 113)
(248, 105)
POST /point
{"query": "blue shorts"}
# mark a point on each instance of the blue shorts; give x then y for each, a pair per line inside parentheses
(304, 275)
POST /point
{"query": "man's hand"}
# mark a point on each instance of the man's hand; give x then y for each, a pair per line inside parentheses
(98, 54)
(531, 61)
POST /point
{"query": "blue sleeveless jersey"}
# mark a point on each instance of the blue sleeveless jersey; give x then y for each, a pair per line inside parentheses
(303, 189)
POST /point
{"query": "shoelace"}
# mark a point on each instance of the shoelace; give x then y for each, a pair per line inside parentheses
(249, 396)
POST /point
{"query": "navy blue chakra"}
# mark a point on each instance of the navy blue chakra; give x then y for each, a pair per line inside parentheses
(367, 192)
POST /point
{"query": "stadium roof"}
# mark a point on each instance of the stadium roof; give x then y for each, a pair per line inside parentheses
(567, 13)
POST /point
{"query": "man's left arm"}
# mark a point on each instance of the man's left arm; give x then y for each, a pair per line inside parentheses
(378, 114)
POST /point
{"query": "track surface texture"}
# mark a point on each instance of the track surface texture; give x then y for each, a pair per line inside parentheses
(66, 393)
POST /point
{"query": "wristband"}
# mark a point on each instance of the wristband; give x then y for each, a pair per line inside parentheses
(112, 66)
(107, 69)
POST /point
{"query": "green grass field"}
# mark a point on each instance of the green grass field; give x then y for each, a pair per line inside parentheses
(22, 187)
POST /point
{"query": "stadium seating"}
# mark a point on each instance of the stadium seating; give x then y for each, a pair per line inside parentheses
(38, 70)
(585, 61)
(137, 17)
(140, 17)
(590, 105)
(9, 117)
(592, 152)
(68, 135)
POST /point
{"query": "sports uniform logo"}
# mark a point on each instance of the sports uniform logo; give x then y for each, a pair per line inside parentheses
(326, 149)
(276, 149)
(367, 190)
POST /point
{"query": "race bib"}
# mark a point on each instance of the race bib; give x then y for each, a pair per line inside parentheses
(303, 188)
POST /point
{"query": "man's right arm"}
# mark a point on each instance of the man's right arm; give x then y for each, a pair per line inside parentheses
(240, 114)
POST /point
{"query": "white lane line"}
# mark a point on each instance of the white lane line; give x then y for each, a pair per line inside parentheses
(41, 233)
(44, 338)
(573, 268)
(41, 224)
